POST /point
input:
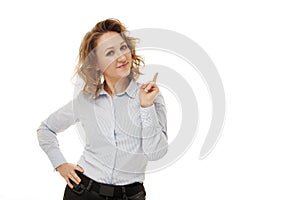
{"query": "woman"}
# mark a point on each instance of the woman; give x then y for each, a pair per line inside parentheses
(124, 122)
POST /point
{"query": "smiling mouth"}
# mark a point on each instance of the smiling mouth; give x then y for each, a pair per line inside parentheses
(123, 66)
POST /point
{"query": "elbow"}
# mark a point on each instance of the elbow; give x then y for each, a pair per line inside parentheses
(157, 154)
(46, 138)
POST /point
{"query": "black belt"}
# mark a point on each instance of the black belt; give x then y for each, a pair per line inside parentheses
(117, 191)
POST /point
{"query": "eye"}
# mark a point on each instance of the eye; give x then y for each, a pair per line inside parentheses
(124, 47)
(110, 53)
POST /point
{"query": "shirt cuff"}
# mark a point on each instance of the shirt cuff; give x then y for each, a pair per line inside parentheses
(56, 158)
(148, 116)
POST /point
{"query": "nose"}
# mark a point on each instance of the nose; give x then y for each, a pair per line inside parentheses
(122, 58)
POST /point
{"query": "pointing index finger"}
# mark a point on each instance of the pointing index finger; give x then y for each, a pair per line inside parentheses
(155, 77)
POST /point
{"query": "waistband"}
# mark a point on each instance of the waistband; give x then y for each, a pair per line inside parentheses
(107, 189)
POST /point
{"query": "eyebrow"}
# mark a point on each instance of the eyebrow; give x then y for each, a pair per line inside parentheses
(113, 47)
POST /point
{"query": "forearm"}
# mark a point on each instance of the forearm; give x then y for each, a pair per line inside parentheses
(49, 143)
(55, 123)
(154, 135)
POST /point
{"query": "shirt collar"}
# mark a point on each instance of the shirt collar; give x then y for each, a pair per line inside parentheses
(130, 90)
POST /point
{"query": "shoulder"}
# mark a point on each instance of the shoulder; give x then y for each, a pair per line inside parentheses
(82, 98)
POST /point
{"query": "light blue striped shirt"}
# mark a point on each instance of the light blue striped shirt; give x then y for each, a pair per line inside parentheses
(120, 136)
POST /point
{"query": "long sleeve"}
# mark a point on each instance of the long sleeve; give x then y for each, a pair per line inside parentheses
(154, 132)
(46, 133)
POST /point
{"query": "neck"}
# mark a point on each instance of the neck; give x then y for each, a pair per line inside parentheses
(115, 86)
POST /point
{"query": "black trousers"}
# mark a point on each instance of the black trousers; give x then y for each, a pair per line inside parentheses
(91, 190)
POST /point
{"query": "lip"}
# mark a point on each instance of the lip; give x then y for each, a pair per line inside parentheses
(122, 66)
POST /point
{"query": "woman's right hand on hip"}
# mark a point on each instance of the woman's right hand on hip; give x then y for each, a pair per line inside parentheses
(67, 171)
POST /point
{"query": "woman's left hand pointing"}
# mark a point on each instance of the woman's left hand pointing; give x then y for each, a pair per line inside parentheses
(148, 92)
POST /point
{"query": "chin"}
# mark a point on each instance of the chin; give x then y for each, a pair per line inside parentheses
(123, 75)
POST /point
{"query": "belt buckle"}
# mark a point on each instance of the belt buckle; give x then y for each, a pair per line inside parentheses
(106, 190)
(78, 189)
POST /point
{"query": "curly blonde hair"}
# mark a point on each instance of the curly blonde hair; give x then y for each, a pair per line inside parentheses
(87, 61)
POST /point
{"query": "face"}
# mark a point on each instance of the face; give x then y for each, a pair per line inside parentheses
(114, 56)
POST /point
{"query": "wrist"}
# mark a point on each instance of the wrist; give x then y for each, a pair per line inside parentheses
(60, 166)
(145, 105)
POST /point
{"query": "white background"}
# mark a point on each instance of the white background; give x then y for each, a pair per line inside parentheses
(255, 46)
